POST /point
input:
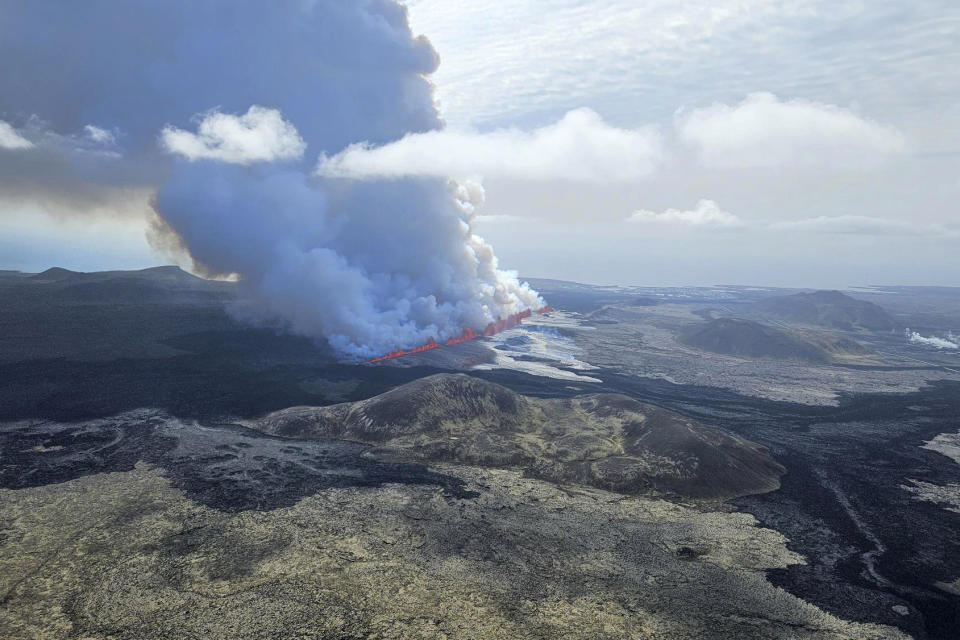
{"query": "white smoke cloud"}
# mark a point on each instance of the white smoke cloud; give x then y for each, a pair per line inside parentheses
(11, 139)
(259, 135)
(369, 266)
(764, 131)
(578, 147)
(706, 213)
(950, 342)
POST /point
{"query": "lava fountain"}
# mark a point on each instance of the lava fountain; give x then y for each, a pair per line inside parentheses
(466, 335)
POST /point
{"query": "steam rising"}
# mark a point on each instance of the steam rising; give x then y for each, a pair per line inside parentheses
(224, 115)
(950, 342)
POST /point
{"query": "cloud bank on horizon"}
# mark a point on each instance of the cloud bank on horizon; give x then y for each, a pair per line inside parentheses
(761, 131)
(579, 147)
(215, 106)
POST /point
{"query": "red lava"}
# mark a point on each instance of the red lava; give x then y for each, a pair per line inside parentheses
(467, 334)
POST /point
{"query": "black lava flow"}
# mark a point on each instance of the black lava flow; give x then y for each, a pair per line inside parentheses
(869, 544)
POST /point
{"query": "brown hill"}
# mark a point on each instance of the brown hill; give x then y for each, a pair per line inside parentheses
(606, 440)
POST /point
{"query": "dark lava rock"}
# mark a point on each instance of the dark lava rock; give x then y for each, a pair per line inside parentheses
(224, 466)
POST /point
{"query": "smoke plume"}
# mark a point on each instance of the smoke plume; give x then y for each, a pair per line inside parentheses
(950, 342)
(223, 109)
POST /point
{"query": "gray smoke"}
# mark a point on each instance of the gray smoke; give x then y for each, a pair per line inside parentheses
(224, 108)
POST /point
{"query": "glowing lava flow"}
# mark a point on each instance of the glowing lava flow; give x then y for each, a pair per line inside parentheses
(466, 335)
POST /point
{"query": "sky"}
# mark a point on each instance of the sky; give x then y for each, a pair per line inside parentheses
(767, 142)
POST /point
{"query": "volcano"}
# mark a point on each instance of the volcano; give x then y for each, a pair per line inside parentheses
(466, 335)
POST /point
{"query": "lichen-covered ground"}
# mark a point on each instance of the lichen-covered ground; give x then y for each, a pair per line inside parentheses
(126, 555)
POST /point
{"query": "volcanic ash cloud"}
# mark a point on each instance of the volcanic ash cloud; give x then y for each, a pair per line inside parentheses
(223, 108)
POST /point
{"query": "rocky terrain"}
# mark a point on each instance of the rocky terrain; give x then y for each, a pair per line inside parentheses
(562, 490)
(124, 555)
(608, 441)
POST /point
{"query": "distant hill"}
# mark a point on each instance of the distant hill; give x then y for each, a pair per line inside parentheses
(606, 440)
(735, 337)
(749, 339)
(61, 313)
(54, 274)
(166, 273)
(831, 309)
(153, 285)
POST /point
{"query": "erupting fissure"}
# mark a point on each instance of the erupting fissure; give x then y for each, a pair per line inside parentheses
(467, 334)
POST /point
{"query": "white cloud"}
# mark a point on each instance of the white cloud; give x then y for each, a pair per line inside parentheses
(707, 214)
(503, 60)
(11, 139)
(36, 133)
(516, 57)
(865, 226)
(99, 135)
(259, 135)
(579, 147)
(763, 131)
